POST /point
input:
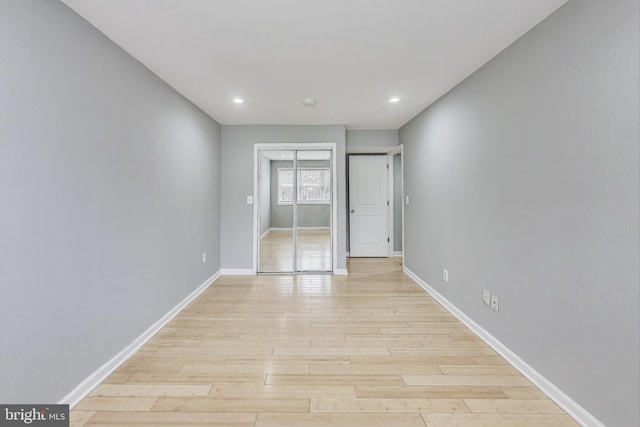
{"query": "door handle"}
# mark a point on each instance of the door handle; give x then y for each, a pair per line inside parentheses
(352, 211)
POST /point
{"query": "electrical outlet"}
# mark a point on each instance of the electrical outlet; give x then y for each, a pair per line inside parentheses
(486, 297)
(445, 275)
(495, 303)
(204, 257)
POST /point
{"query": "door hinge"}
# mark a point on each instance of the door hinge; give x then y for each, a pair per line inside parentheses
(388, 240)
(387, 165)
(387, 203)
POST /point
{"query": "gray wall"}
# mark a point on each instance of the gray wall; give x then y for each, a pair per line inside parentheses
(109, 185)
(237, 184)
(367, 138)
(397, 203)
(311, 215)
(524, 180)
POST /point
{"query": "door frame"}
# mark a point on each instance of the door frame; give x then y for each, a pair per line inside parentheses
(390, 152)
(327, 146)
(392, 218)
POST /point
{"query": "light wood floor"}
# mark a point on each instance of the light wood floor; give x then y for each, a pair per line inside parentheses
(369, 349)
(314, 251)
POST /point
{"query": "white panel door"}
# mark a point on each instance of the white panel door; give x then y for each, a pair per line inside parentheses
(368, 206)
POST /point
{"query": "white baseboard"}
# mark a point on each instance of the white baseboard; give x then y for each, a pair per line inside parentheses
(576, 411)
(267, 231)
(397, 253)
(340, 272)
(238, 272)
(100, 374)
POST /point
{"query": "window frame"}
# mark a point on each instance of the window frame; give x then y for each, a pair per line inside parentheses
(296, 190)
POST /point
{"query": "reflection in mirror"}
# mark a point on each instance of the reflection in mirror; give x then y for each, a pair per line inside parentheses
(313, 231)
(294, 211)
(276, 246)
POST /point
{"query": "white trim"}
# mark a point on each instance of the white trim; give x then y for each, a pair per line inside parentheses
(390, 207)
(237, 272)
(403, 199)
(570, 406)
(100, 374)
(390, 152)
(370, 150)
(340, 272)
(396, 150)
(334, 207)
(399, 150)
(267, 231)
(256, 204)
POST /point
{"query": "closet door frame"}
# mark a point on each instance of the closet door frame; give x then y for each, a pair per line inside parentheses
(257, 148)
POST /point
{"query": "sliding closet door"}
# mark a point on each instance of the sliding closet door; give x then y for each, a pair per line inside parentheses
(277, 183)
(295, 195)
(313, 222)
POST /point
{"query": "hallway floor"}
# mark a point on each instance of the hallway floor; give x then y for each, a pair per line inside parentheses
(368, 349)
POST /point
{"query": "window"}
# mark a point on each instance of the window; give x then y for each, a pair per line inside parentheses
(314, 186)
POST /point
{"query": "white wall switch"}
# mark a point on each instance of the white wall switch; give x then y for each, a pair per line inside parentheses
(407, 197)
(204, 257)
(445, 275)
(249, 200)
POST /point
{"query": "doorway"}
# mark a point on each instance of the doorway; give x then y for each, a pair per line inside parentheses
(376, 203)
(369, 206)
(295, 204)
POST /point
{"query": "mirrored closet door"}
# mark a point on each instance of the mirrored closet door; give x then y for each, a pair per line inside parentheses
(295, 205)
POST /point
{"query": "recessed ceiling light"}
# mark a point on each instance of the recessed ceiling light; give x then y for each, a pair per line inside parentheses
(394, 99)
(309, 102)
(238, 100)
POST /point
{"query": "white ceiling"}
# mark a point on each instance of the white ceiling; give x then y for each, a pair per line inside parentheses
(351, 55)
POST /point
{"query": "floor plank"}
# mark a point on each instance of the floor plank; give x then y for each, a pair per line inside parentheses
(339, 420)
(368, 349)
